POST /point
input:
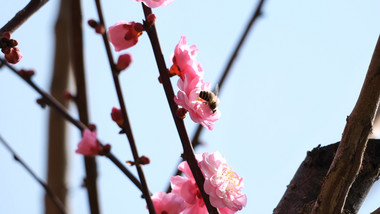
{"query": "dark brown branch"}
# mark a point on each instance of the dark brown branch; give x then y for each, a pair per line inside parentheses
(49, 192)
(377, 211)
(305, 186)
(52, 102)
(348, 159)
(57, 150)
(81, 99)
(256, 14)
(23, 15)
(126, 125)
(188, 152)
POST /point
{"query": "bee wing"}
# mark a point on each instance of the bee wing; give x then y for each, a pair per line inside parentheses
(216, 90)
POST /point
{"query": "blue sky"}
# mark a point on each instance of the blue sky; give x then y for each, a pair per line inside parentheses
(296, 79)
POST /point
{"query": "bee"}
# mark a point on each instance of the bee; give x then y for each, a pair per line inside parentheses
(211, 99)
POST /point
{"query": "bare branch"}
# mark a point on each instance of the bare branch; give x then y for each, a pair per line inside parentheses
(81, 98)
(57, 150)
(49, 192)
(23, 15)
(126, 125)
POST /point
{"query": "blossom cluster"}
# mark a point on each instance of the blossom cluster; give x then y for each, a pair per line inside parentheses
(191, 84)
(222, 184)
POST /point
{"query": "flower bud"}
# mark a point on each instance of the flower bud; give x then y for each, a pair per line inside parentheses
(6, 35)
(124, 61)
(14, 56)
(100, 29)
(151, 19)
(117, 116)
(92, 23)
(181, 113)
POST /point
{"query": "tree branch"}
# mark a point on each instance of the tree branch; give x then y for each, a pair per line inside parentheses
(126, 124)
(81, 99)
(305, 186)
(52, 102)
(49, 192)
(23, 15)
(57, 150)
(348, 159)
(188, 152)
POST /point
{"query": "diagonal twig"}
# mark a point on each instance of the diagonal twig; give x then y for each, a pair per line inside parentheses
(23, 15)
(49, 192)
(52, 102)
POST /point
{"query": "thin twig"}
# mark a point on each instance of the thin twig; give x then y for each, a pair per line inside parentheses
(81, 99)
(257, 13)
(52, 102)
(23, 15)
(126, 124)
(348, 159)
(188, 152)
(49, 192)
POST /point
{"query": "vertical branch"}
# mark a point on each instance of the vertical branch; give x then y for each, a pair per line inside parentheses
(81, 98)
(348, 158)
(188, 153)
(57, 151)
(126, 127)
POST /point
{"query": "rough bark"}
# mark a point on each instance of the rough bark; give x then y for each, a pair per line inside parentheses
(305, 186)
(348, 158)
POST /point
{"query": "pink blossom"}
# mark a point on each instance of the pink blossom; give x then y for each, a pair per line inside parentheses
(124, 34)
(155, 3)
(187, 188)
(188, 98)
(168, 203)
(184, 60)
(222, 183)
(89, 145)
(191, 84)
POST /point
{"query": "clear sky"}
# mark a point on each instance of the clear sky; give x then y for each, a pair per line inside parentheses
(293, 85)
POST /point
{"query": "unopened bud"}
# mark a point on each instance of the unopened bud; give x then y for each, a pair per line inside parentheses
(92, 23)
(159, 79)
(138, 27)
(181, 113)
(6, 35)
(117, 116)
(151, 19)
(14, 56)
(41, 102)
(144, 160)
(26, 74)
(124, 61)
(105, 149)
(92, 127)
(12, 43)
(100, 29)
